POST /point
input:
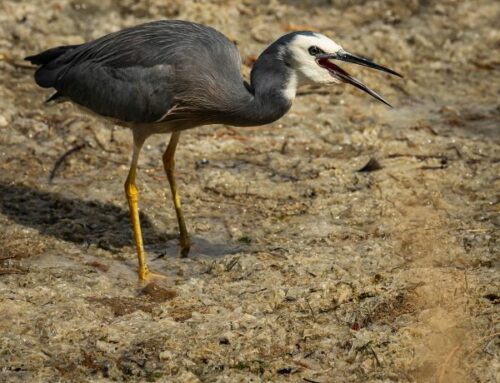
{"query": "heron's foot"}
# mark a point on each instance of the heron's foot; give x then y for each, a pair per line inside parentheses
(185, 246)
(149, 276)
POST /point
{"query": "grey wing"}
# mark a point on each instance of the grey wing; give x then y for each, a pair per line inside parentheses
(139, 73)
(131, 94)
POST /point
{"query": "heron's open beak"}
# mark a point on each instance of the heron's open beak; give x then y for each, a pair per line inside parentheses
(337, 72)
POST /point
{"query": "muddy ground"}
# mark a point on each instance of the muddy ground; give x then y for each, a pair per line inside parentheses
(347, 242)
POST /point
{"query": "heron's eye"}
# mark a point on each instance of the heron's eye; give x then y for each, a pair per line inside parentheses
(314, 50)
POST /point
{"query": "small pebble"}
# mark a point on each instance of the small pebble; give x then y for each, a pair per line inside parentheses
(3, 121)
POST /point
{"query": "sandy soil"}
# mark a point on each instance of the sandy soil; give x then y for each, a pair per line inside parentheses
(347, 242)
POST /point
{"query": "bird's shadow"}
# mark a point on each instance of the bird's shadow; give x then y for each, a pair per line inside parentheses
(86, 222)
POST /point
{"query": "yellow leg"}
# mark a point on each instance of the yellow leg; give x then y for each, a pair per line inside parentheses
(133, 203)
(169, 165)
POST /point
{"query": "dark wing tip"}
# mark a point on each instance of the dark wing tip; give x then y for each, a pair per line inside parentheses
(50, 54)
(31, 59)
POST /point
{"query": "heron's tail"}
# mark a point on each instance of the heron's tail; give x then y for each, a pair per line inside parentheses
(52, 64)
(49, 55)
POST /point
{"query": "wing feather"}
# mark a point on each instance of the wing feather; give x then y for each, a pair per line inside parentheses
(139, 73)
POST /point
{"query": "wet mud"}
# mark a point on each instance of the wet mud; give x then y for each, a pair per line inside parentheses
(346, 242)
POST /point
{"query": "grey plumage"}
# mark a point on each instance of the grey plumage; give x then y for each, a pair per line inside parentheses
(139, 74)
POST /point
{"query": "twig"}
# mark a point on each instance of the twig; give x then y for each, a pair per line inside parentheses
(420, 157)
(61, 159)
(310, 380)
(252, 292)
(310, 308)
(433, 167)
(466, 290)
(480, 342)
(375, 356)
(11, 270)
(228, 194)
(232, 263)
(446, 362)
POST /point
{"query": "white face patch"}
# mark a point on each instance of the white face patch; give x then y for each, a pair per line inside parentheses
(291, 87)
(305, 64)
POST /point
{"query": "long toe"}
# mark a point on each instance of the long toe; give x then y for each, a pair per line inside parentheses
(185, 249)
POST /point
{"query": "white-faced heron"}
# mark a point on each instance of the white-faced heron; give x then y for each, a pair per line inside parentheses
(167, 76)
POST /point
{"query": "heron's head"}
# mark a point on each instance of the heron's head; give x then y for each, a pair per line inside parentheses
(312, 57)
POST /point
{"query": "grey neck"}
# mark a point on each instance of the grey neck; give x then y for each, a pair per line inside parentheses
(270, 93)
